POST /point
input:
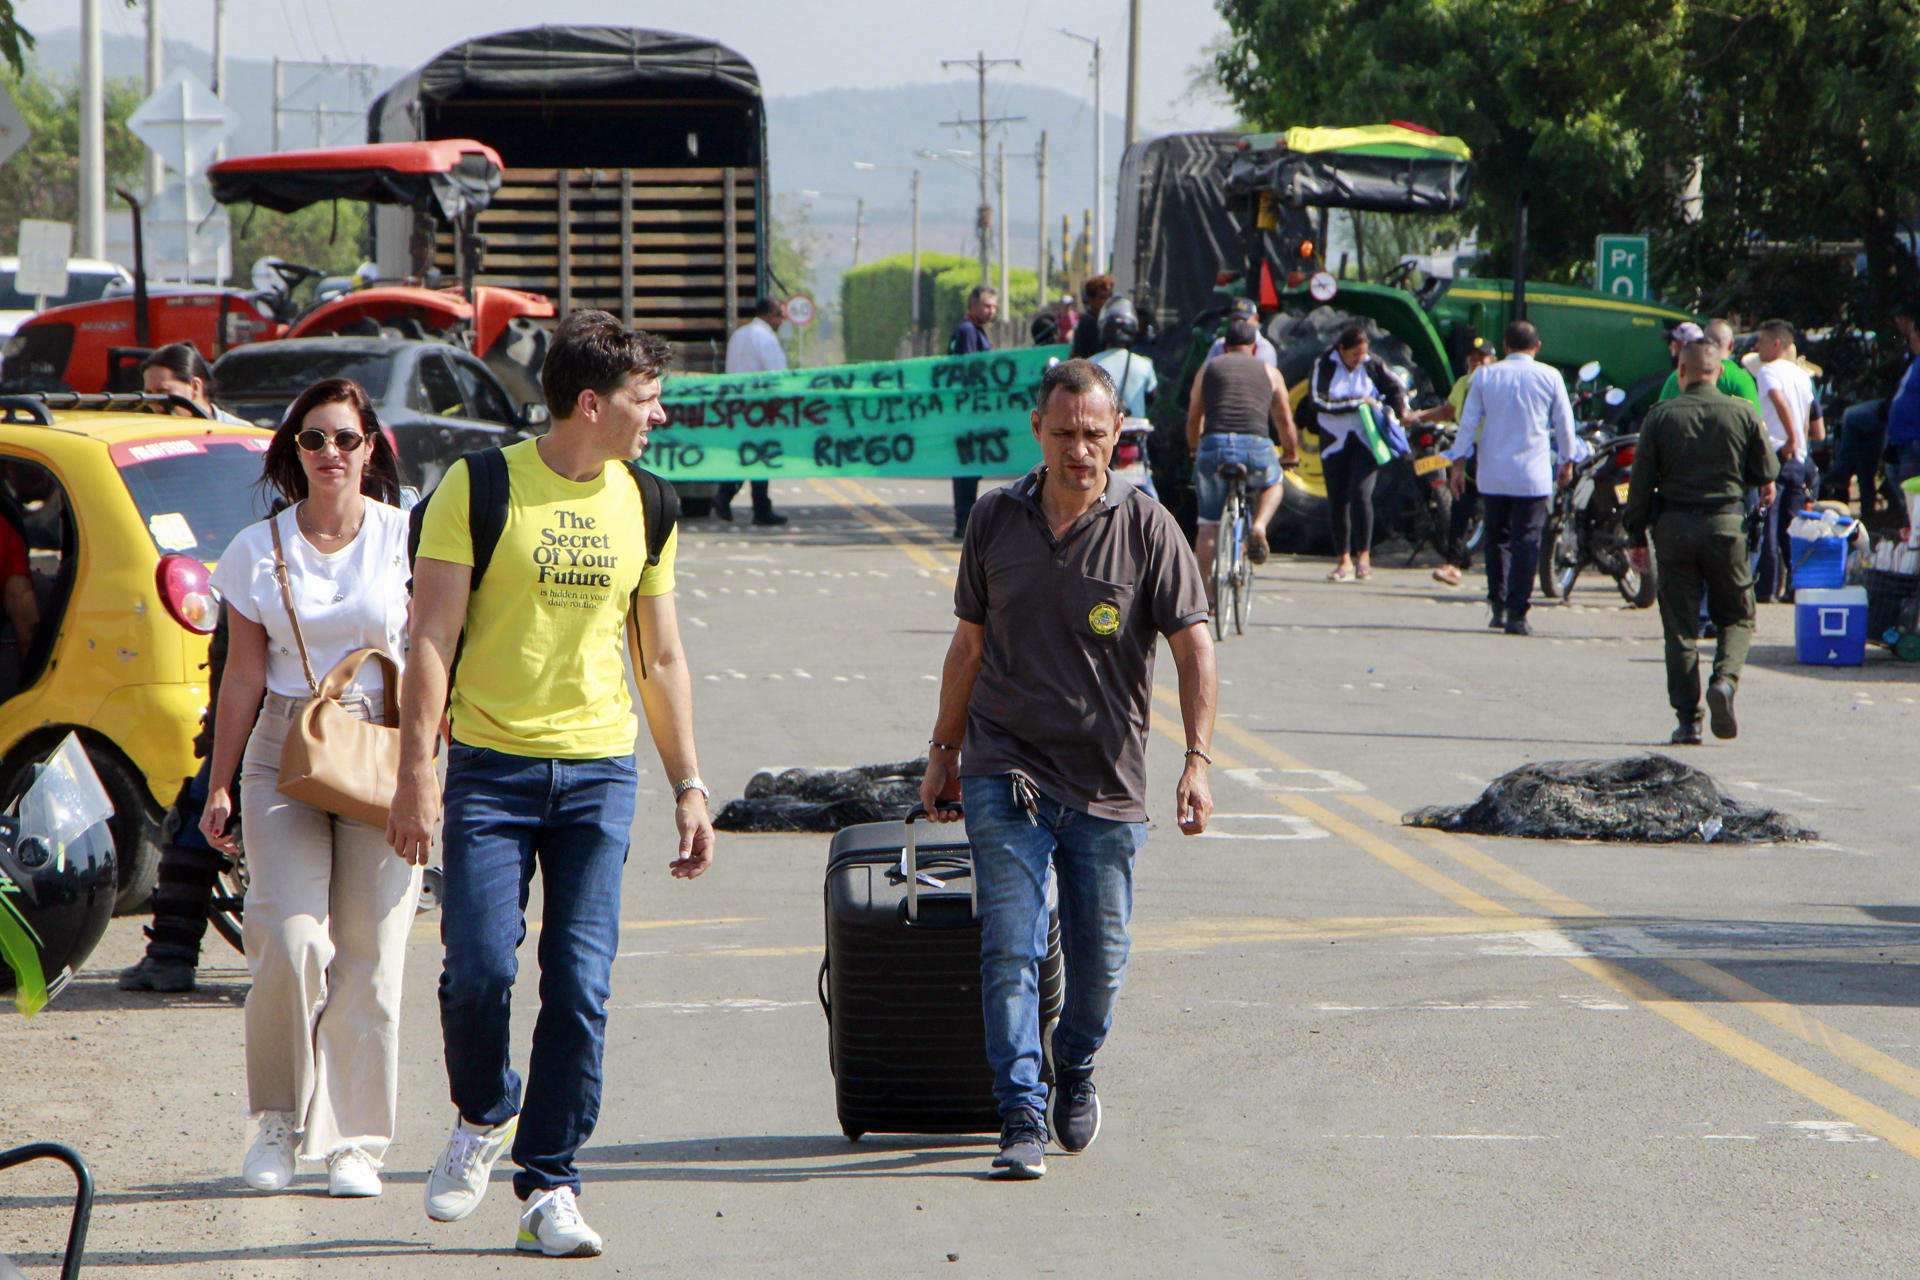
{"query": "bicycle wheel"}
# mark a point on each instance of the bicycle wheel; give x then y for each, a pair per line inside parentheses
(226, 909)
(1242, 572)
(1226, 548)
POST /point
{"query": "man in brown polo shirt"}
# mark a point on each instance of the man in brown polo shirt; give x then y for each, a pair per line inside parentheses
(1068, 578)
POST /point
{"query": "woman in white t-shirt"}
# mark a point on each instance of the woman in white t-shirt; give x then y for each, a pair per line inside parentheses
(328, 905)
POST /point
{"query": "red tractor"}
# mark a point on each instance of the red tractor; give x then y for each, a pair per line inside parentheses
(98, 346)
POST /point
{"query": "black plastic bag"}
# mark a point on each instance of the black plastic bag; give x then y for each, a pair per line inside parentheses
(1649, 799)
(824, 799)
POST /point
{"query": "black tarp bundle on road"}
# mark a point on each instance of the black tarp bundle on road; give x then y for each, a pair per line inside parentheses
(824, 799)
(1646, 799)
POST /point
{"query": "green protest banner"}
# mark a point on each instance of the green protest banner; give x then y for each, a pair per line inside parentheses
(940, 416)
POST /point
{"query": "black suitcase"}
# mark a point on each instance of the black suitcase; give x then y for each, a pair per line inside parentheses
(900, 984)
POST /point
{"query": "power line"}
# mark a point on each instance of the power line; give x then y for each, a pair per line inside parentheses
(979, 63)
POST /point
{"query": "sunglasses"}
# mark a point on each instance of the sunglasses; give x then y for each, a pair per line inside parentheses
(313, 440)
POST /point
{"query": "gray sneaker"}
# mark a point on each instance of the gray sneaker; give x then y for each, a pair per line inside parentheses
(1023, 1147)
(459, 1178)
(1073, 1114)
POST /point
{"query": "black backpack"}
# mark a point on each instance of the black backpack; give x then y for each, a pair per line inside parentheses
(487, 510)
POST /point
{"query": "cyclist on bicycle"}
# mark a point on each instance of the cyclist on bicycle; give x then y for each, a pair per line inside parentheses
(1238, 409)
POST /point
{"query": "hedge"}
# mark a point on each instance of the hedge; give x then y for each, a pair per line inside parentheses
(875, 307)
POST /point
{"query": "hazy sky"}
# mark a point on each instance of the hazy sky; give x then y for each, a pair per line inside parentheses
(798, 45)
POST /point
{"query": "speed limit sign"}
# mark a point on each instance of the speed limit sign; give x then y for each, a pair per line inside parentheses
(800, 309)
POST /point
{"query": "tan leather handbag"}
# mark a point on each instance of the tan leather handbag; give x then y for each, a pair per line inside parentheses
(333, 760)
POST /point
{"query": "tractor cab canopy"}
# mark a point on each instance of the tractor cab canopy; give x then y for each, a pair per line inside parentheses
(1381, 168)
(449, 178)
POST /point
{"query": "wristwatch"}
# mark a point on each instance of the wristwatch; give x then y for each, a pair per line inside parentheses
(685, 785)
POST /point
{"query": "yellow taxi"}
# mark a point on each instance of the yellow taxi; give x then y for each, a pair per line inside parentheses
(123, 512)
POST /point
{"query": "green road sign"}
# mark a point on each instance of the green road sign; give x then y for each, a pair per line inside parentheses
(1620, 266)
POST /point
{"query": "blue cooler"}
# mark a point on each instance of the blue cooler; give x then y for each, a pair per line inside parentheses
(1820, 562)
(1830, 626)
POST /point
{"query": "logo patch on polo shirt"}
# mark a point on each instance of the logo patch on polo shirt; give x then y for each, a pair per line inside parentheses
(1104, 618)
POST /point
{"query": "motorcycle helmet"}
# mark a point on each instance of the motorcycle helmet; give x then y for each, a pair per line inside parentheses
(1119, 323)
(57, 881)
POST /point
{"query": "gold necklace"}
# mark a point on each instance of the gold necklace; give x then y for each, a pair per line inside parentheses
(299, 518)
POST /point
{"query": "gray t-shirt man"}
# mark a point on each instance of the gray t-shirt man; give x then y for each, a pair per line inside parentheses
(1066, 668)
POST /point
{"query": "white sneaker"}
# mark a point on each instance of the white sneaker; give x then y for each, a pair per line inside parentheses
(552, 1225)
(459, 1177)
(351, 1172)
(269, 1162)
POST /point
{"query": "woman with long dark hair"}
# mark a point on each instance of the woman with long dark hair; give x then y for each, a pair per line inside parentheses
(328, 905)
(1348, 380)
(177, 370)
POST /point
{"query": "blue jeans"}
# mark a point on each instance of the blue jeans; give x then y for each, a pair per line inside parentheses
(1256, 453)
(574, 817)
(1092, 861)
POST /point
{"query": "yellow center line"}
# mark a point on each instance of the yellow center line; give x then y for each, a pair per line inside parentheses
(1655, 999)
(890, 530)
(1689, 1018)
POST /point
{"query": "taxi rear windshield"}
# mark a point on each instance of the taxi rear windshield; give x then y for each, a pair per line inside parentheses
(194, 493)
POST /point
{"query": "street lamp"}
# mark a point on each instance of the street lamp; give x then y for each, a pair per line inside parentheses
(859, 213)
(1099, 147)
(914, 286)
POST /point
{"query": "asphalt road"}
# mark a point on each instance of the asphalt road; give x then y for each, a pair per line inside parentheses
(1347, 1048)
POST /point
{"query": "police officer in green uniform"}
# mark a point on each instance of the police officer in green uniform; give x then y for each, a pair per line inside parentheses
(1697, 456)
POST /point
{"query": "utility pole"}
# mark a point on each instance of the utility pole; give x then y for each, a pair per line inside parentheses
(1133, 71)
(1096, 249)
(93, 154)
(1006, 292)
(220, 62)
(1041, 161)
(279, 92)
(859, 225)
(156, 169)
(916, 259)
(984, 217)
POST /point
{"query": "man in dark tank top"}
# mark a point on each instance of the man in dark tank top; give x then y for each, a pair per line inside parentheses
(1238, 408)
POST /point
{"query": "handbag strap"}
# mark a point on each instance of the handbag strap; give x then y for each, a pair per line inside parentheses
(286, 598)
(335, 685)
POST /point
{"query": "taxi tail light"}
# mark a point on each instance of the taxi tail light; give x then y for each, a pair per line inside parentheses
(187, 591)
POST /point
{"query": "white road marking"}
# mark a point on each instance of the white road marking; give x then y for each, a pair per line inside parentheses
(712, 1006)
(1827, 1130)
(1294, 827)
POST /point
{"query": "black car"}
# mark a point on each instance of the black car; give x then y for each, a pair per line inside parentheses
(436, 401)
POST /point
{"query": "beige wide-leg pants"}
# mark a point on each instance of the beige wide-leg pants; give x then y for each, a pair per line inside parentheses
(329, 907)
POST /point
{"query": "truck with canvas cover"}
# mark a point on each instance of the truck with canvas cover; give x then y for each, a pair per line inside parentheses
(635, 174)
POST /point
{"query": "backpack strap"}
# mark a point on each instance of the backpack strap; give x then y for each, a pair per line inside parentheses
(660, 507)
(486, 510)
(486, 505)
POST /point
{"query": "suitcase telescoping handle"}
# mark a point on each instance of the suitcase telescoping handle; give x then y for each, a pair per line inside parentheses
(912, 851)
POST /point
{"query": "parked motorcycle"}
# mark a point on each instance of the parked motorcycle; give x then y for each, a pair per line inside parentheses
(1584, 523)
(1433, 516)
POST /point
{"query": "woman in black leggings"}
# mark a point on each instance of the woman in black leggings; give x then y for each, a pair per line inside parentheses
(1344, 379)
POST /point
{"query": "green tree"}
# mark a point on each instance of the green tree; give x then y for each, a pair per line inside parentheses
(1804, 119)
(328, 237)
(42, 179)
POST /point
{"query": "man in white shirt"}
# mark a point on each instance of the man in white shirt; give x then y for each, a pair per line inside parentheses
(1515, 418)
(754, 348)
(1792, 418)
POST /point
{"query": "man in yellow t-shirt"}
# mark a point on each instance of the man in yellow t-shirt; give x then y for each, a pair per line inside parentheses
(541, 768)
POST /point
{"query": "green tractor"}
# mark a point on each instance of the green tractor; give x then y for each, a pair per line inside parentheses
(1425, 331)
